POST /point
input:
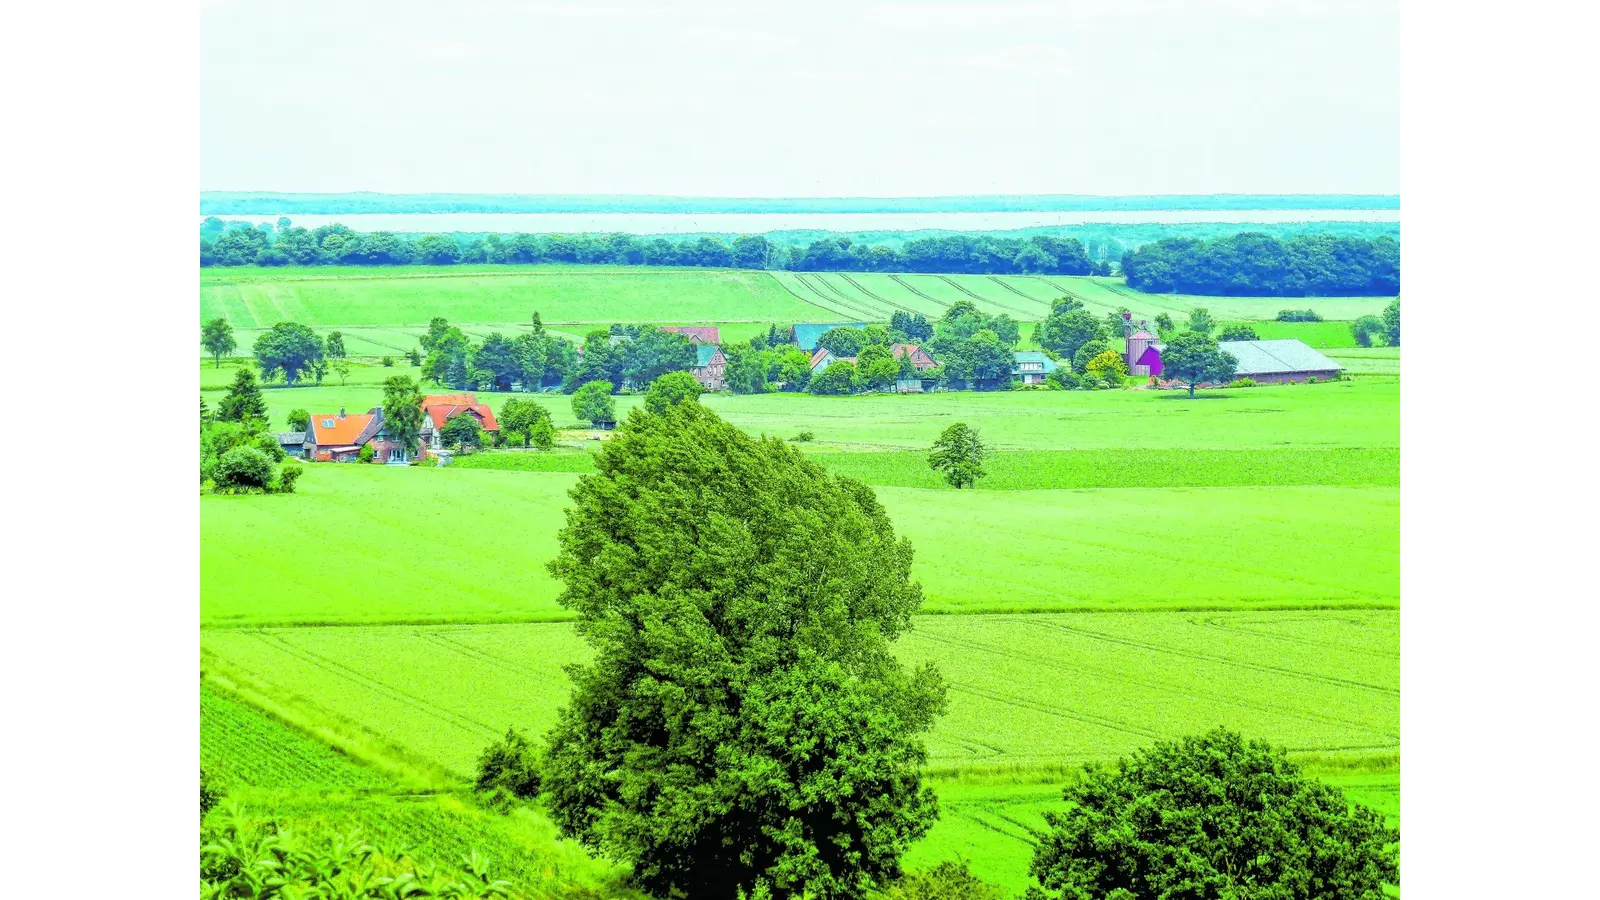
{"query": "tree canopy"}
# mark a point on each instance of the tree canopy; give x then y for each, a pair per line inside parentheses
(244, 401)
(1251, 264)
(1193, 358)
(528, 420)
(672, 388)
(217, 337)
(744, 724)
(402, 410)
(1068, 327)
(593, 403)
(958, 455)
(290, 348)
(1213, 816)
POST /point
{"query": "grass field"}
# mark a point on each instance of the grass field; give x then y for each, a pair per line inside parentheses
(1363, 412)
(368, 544)
(372, 304)
(1368, 360)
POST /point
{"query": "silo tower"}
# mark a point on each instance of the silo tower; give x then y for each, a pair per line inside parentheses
(1138, 340)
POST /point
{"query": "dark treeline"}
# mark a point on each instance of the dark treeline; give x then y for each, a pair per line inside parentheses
(240, 244)
(1258, 265)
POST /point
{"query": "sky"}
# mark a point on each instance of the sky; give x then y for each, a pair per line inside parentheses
(801, 100)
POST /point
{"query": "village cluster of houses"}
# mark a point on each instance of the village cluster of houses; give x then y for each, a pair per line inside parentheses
(339, 437)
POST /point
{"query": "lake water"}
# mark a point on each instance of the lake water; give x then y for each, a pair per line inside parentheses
(760, 223)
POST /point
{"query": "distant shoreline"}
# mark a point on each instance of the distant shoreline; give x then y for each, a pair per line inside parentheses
(258, 203)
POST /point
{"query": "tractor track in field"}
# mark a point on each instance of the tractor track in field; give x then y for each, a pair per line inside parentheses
(1219, 660)
(982, 299)
(1222, 625)
(817, 302)
(1155, 686)
(1008, 286)
(341, 670)
(908, 286)
(863, 289)
(861, 313)
(817, 278)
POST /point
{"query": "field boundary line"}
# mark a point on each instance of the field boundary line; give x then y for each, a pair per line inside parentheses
(980, 298)
(876, 296)
(809, 302)
(860, 312)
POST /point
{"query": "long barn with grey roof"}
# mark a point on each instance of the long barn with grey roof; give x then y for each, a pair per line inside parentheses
(1279, 361)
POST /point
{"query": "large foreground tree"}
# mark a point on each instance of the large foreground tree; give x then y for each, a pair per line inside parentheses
(1212, 817)
(1194, 359)
(744, 726)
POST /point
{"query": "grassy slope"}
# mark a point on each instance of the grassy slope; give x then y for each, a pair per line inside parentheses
(1361, 412)
(381, 544)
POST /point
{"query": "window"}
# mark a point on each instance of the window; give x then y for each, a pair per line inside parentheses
(327, 423)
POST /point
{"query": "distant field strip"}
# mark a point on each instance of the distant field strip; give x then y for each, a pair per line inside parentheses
(977, 551)
(1026, 691)
(1047, 469)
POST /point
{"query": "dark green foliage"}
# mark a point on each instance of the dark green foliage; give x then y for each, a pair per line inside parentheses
(1068, 327)
(876, 369)
(1163, 323)
(804, 437)
(366, 454)
(1200, 321)
(335, 345)
(672, 388)
(499, 358)
(299, 420)
(1252, 264)
(402, 410)
(1209, 817)
(1298, 315)
(945, 881)
(461, 430)
(242, 469)
(748, 369)
(288, 476)
(244, 401)
(842, 341)
(289, 348)
(1238, 332)
(744, 725)
(592, 403)
(958, 455)
(210, 792)
(528, 421)
(838, 378)
(1391, 323)
(1063, 378)
(1363, 328)
(653, 353)
(508, 770)
(1080, 359)
(914, 327)
(217, 337)
(1192, 358)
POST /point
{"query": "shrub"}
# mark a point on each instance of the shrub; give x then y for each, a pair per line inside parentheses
(462, 430)
(1080, 360)
(1298, 315)
(673, 387)
(1363, 328)
(945, 881)
(1108, 365)
(592, 403)
(389, 361)
(366, 454)
(1311, 380)
(803, 437)
(210, 792)
(241, 470)
(508, 769)
(1064, 378)
(1245, 382)
(1238, 333)
(268, 444)
(287, 476)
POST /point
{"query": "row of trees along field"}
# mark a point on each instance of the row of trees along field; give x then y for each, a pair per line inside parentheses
(1258, 265)
(240, 244)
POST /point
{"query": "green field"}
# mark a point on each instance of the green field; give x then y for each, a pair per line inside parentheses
(369, 544)
(1362, 412)
(1026, 692)
(383, 310)
(1368, 360)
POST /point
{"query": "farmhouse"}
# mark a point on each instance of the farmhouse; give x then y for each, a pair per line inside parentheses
(822, 357)
(921, 360)
(438, 408)
(337, 438)
(806, 334)
(292, 442)
(709, 366)
(1031, 366)
(697, 334)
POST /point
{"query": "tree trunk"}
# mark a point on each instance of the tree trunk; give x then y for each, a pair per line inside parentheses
(1191, 389)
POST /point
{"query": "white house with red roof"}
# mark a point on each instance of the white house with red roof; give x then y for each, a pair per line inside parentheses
(440, 408)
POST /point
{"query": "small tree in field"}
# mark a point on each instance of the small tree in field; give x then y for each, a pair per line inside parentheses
(1363, 328)
(745, 728)
(461, 429)
(592, 403)
(1192, 358)
(1200, 321)
(1391, 323)
(217, 337)
(299, 420)
(958, 455)
(1238, 332)
(1212, 816)
(244, 401)
(671, 388)
(523, 419)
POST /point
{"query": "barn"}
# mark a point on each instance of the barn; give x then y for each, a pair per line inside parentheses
(1276, 362)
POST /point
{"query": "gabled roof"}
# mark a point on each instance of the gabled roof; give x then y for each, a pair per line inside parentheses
(920, 358)
(699, 334)
(705, 354)
(1033, 356)
(290, 437)
(806, 334)
(1142, 335)
(1282, 356)
(330, 429)
(440, 407)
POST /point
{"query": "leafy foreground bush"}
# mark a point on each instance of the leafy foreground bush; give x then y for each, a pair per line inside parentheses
(508, 770)
(1212, 817)
(745, 728)
(945, 881)
(243, 859)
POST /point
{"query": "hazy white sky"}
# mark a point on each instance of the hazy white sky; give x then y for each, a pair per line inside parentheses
(809, 99)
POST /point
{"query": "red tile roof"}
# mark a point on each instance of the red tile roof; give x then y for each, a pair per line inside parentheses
(331, 430)
(440, 407)
(920, 359)
(699, 334)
